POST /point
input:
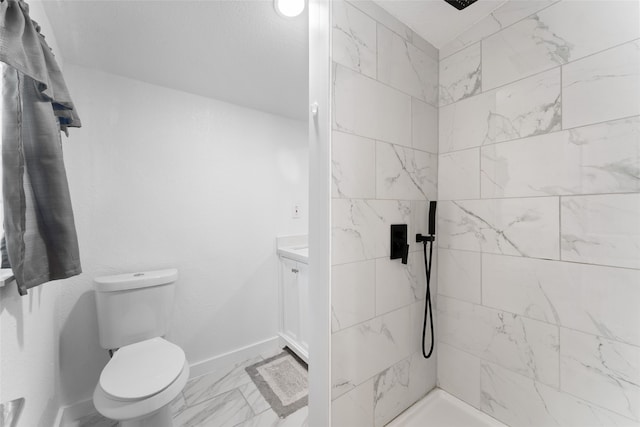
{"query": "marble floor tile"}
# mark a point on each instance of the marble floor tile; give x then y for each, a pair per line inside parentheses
(254, 398)
(226, 410)
(210, 385)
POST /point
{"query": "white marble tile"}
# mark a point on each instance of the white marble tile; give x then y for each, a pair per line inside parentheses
(353, 288)
(353, 166)
(382, 16)
(460, 75)
(360, 228)
(602, 158)
(507, 14)
(525, 108)
(368, 108)
(361, 351)
(522, 345)
(519, 401)
(604, 372)
(424, 126)
(601, 229)
(397, 284)
(458, 174)
(400, 386)
(225, 410)
(404, 173)
(459, 274)
(603, 86)
(554, 37)
(525, 227)
(220, 381)
(254, 398)
(355, 408)
(459, 374)
(594, 299)
(406, 68)
(270, 419)
(353, 39)
(93, 420)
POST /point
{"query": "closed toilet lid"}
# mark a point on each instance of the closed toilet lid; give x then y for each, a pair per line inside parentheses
(142, 369)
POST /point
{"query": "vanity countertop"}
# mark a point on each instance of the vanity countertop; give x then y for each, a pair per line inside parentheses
(294, 247)
(297, 253)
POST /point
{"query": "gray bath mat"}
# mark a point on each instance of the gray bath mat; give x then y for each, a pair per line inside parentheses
(282, 380)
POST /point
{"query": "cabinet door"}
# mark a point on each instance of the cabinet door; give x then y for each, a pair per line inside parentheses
(303, 303)
(290, 299)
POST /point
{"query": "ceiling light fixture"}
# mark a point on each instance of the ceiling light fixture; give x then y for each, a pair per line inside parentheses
(289, 8)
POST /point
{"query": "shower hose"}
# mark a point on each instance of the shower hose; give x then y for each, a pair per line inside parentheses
(427, 303)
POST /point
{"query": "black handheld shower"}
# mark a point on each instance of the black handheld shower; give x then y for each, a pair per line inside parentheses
(428, 311)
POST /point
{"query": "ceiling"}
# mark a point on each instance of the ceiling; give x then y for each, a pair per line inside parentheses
(236, 51)
(239, 51)
(437, 21)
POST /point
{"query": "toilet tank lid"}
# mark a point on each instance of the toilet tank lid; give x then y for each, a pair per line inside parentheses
(143, 279)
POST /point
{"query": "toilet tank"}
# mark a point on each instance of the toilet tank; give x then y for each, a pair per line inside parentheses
(134, 307)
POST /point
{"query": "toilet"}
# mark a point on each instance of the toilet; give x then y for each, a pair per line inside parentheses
(146, 372)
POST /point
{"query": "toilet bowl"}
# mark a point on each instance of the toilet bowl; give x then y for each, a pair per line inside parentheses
(140, 381)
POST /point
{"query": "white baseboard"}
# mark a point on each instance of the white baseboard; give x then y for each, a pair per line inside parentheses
(66, 414)
(235, 356)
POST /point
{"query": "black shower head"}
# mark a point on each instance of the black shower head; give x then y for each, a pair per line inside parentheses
(460, 4)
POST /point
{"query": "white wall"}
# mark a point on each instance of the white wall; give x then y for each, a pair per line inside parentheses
(29, 328)
(539, 215)
(161, 178)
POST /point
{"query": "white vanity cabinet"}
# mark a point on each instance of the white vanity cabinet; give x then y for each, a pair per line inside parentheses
(294, 300)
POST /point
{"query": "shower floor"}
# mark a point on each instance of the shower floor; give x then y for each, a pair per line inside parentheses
(439, 408)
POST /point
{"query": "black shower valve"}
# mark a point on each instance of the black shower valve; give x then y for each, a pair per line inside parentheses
(399, 247)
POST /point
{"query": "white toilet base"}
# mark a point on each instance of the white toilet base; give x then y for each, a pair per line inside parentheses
(161, 418)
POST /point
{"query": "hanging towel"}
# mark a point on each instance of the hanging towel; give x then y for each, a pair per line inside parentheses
(41, 241)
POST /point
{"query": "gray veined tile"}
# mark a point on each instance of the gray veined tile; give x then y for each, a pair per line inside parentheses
(523, 227)
(601, 229)
(404, 173)
(403, 66)
(400, 386)
(459, 274)
(596, 299)
(601, 371)
(254, 398)
(424, 126)
(94, 420)
(554, 37)
(458, 173)
(352, 293)
(507, 14)
(459, 373)
(528, 107)
(361, 351)
(519, 401)
(525, 346)
(225, 410)
(601, 158)
(354, 39)
(354, 408)
(397, 284)
(360, 228)
(221, 381)
(460, 75)
(368, 108)
(352, 166)
(602, 87)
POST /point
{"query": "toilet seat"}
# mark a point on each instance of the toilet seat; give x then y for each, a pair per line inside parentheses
(143, 369)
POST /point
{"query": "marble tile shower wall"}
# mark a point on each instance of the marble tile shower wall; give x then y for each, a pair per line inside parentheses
(384, 170)
(539, 222)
